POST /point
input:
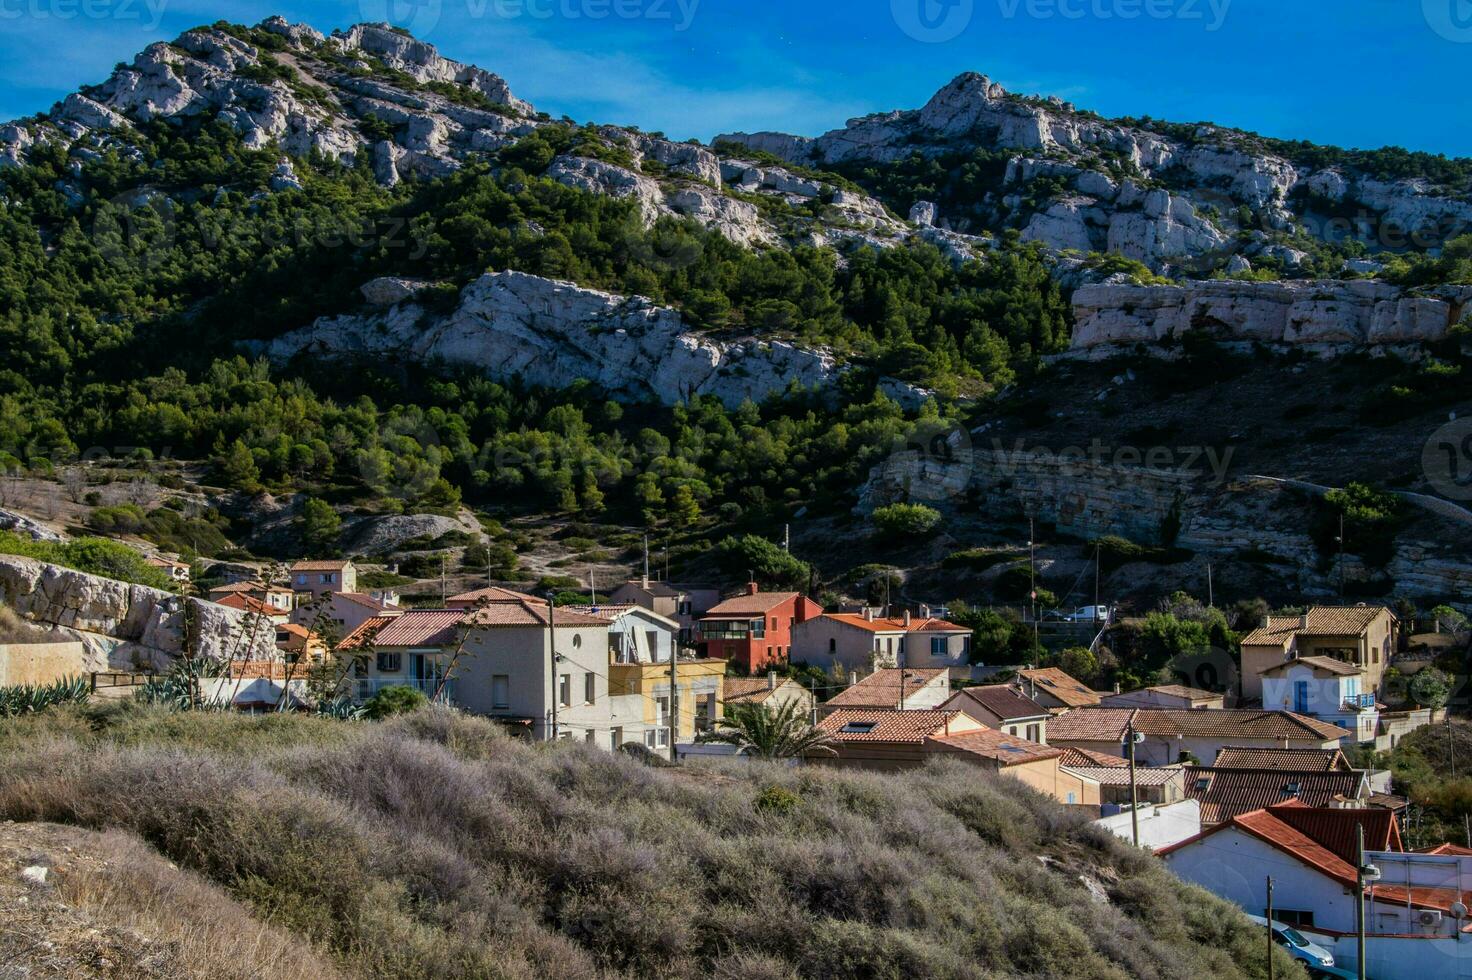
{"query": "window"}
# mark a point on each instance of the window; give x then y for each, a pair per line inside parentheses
(1034, 733)
(501, 691)
(938, 646)
(390, 663)
(860, 727)
(564, 691)
(832, 644)
(590, 687)
(662, 711)
(617, 739)
(774, 624)
(1293, 917)
(589, 735)
(577, 641)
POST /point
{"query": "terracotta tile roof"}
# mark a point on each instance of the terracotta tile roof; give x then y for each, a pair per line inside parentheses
(1055, 682)
(750, 605)
(1296, 760)
(1088, 759)
(1448, 850)
(415, 628)
(1120, 775)
(660, 590)
(363, 599)
(250, 604)
(1225, 793)
(1319, 621)
(896, 624)
(1181, 691)
(1000, 700)
(498, 614)
(301, 632)
(1329, 664)
(882, 689)
(886, 726)
(1008, 750)
(751, 690)
(1108, 724)
(320, 566)
(234, 587)
(493, 594)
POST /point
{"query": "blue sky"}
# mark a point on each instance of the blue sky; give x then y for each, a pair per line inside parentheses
(1351, 72)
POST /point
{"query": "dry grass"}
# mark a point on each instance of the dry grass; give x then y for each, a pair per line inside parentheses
(113, 907)
(433, 846)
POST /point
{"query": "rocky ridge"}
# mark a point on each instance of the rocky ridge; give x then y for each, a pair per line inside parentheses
(123, 627)
(1165, 199)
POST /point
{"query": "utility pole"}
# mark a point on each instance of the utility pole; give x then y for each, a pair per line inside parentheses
(444, 584)
(1359, 898)
(1032, 564)
(489, 581)
(1210, 589)
(552, 655)
(1134, 789)
(674, 702)
(1271, 972)
(646, 561)
(1098, 550)
(1341, 557)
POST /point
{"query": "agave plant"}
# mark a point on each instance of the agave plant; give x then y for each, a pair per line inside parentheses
(343, 709)
(26, 699)
(769, 733)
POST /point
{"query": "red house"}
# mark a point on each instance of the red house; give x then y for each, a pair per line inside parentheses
(754, 630)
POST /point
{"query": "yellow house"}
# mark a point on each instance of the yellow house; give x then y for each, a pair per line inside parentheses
(639, 694)
(1360, 635)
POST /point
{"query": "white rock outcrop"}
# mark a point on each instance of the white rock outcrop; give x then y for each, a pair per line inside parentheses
(549, 333)
(1316, 313)
(124, 626)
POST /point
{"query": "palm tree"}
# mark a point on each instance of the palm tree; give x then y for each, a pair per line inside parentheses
(769, 733)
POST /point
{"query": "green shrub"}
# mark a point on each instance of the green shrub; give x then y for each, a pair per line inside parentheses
(95, 556)
(396, 700)
(906, 521)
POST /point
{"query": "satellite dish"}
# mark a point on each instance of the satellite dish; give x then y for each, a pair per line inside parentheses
(1459, 911)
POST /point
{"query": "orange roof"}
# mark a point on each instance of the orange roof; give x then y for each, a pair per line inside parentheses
(1318, 621)
(886, 726)
(492, 594)
(888, 688)
(1008, 750)
(529, 614)
(1326, 664)
(1088, 759)
(320, 566)
(751, 690)
(1109, 724)
(1055, 682)
(896, 624)
(1297, 760)
(250, 604)
(1447, 850)
(999, 700)
(1225, 793)
(750, 604)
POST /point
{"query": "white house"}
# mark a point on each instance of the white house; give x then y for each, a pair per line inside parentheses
(1326, 688)
(866, 641)
(1171, 735)
(636, 635)
(892, 689)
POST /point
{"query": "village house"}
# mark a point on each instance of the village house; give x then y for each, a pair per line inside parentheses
(343, 612)
(494, 593)
(250, 604)
(636, 635)
(299, 645)
(640, 707)
(314, 579)
(176, 570)
(1158, 825)
(1163, 785)
(1165, 696)
(504, 660)
(273, 595)
(898, 740)
(1226, 793)
(895, 689)
(1005, 709)
(866, 641)
(1054, 689)
(1362, 636)
(771, 691)
(1326, 688)
(685, 604)
(1169, 735)
(754, 630)
(1415, 918)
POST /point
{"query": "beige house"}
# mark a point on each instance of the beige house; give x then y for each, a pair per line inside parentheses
(640, 701)
(685, 604)
(772, 691)
(898, 740)
(312, 579)
(866, 642)
(1054, 689)
(1363, 636)
(895, 689)
(340, 613)
(273, 595)
(509, 667)
(999, 706)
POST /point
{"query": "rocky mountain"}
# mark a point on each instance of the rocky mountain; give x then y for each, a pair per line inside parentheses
(1203, 197)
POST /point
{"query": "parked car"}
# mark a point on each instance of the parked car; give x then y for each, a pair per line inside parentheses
(1312, 955)
(1083, 614)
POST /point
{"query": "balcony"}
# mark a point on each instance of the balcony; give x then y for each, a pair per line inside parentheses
(1359, 702)
(724, 630)
(364, 688)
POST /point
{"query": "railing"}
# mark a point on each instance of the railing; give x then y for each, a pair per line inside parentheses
(733, 634)
(363, 688)
(1359, 701)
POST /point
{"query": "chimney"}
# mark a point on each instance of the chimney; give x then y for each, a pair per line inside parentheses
(924, 612)
(1116, 687)
(1303, 620)
(771, 680)
(907, 619)
(868, 614)
(853, 678)
(752, 588)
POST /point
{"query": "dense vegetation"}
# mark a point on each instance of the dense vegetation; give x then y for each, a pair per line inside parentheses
(1433, 768)
(125, 292)
(96, 556)
(435, 846)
